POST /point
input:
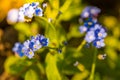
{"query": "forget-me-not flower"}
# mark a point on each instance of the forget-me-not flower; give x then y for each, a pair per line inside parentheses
(98, 43)
(30, 46)
(18, 49)
(95, 33)
(26, 12)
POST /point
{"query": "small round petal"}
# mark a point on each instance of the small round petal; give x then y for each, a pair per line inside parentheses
(82, 29)
(28, 52)
(35, 44)
(38, 12)
(35, 4)
(85, 14)
(90, 36)
(99, 43)
(27, 43)
(29, 11)
(21, 16)
(100, 32)
(90, 11)
(44, 42)
(95, 11)
(18, 49)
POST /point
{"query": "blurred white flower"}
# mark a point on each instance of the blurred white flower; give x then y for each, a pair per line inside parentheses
(24, 13)
(12, 16)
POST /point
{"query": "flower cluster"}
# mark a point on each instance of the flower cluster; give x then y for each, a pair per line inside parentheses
(30, 46)
(95, 33)
(24, 13)
(28, 10)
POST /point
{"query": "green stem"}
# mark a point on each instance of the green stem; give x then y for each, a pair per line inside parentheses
(51, 48)
(81, 45)
(93, 65)
(44, 19)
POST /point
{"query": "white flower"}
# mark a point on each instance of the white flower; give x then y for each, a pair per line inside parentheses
(12, 16)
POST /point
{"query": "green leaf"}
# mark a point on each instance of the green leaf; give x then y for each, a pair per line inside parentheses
(54, 4)
(51, 68)
(31, 75)
(65, 5)
(23, 28)
(15, 65)
(81, 76)
(97, 76)
(51, 33)
(70, 69)
(74, 31)
(41, 68)
(61, 34)
(66, 64)
(73, 11)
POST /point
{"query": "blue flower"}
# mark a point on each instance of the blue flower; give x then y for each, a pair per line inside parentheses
(38, 12)
(44, 41)
(27, 50)
(35, 4)
(98, 43)
(83, 29)
(26, 43)
(90, 11)
(27, 11)
(90, 36)
(30, 46)
(90, 22)
(18, 49)
(95, 33)
(96, 36)
(100, 32)
(35, 44)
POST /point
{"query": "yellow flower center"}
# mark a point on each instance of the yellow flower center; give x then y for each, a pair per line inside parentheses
(30, 52)
(98, 42)
(99, 34)
(89, 23)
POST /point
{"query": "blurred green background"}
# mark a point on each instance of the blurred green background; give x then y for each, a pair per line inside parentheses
(70, 64)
